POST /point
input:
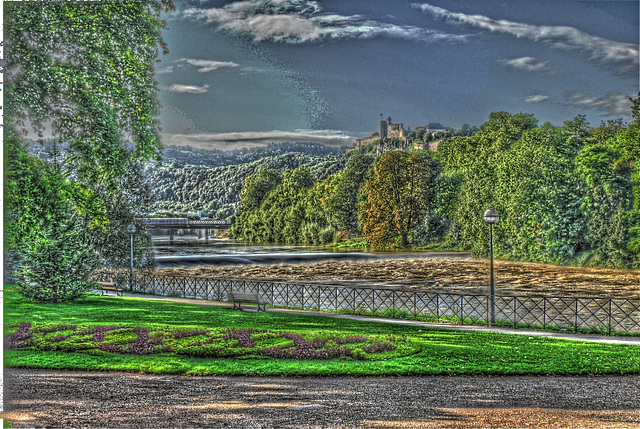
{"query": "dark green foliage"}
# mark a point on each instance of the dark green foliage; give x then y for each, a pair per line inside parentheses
(48, 217)
(85, 70)
(559, 191)
(214, 183)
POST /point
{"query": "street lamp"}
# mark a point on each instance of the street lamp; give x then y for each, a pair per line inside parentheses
(131, 229)
(491, 217)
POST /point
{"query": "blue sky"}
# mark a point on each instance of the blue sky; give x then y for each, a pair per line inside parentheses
(250, 72)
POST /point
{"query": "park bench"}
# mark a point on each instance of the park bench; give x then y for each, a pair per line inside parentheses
(105, 287)
(248, 298)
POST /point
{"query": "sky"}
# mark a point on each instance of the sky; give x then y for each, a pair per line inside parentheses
(251, 72)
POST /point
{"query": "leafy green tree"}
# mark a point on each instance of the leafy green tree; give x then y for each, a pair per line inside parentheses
(46, 234)
(85, 71)
(606, 165)
(257, 186)
(342, 204)
(397, 197)
(627, 145)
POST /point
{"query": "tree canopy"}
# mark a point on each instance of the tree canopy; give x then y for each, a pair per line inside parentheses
(83, 73)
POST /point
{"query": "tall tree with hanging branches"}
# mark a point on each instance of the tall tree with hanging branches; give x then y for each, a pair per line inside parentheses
(83, 73)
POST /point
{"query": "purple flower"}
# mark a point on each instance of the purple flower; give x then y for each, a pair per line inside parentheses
(21, 338)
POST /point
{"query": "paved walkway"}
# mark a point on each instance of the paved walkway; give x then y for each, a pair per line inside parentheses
(567, 336)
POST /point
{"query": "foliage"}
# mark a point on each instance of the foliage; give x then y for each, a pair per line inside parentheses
(419, 351)
(48, 216)
(560, 191)
(87, 70)
(397, 196)
(214, 188)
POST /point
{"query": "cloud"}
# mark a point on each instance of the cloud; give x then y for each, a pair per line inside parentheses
(528, 64)
(207, 65)
(236, 140)
(165, 70)
(186, 89)
(537, 99)
(622, 58)
(298, 21)
(612, 104)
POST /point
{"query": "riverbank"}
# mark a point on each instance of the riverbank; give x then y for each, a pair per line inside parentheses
(468, 276)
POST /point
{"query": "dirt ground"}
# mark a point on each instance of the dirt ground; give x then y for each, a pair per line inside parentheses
(442, 274)
(73, 399)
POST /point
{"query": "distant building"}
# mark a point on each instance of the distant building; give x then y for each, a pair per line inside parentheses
(390, 131)
(434, 127)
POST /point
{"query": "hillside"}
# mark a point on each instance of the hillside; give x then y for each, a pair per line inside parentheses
(192, 179)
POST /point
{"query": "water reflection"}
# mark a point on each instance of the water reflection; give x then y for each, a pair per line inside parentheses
(189, 251)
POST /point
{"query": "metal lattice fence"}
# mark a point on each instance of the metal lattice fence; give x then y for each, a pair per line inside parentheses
(602, 315)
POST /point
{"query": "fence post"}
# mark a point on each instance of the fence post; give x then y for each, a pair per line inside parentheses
(462, 309)
(544, 313)
(575, 326)
(610, 316)
(393, 304)
(438, 307)
(515, 311)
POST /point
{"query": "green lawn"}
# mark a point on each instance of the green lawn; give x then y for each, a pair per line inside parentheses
(139, 335)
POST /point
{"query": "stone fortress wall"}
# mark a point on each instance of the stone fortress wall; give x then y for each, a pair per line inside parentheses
(392, 131)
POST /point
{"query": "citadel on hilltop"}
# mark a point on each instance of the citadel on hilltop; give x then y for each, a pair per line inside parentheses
(397, 133)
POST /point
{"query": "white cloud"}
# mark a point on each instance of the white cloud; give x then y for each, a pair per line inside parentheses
(165, 70)
(186, 89)
(207, 65)
(528, 64)
(623, 58)
(537, 99)
(297, 21)
(612, 104)
(235, 140)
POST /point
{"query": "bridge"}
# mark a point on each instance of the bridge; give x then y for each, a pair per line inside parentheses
(184, 223)
(174, 223)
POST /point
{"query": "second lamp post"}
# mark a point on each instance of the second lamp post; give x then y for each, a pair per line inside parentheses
(491, 217)
(131, 229)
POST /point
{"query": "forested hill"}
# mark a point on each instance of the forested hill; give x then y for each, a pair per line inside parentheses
(192, 179)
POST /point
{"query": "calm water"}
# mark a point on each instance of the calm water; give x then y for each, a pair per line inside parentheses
(189, 251)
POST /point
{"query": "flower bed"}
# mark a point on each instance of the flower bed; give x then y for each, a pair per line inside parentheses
(205, 343)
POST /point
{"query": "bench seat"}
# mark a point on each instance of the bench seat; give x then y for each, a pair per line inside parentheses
(248, 298)
(105, 287)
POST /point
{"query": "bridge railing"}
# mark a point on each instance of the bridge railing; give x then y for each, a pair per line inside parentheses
(182, 221)
(600, 315)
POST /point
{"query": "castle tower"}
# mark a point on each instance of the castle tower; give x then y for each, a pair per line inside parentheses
(384, 128)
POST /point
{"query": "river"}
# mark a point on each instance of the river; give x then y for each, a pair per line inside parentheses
(189, 251)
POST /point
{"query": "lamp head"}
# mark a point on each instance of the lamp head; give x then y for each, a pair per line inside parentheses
(491, 216)
(131, 229)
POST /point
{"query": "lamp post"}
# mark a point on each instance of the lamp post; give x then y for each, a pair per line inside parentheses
(491, 217)
(131, 229)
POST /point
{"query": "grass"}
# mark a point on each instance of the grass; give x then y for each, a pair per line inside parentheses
(207, 340)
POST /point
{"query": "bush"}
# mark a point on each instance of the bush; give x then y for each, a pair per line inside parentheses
(326, 235)
(58, 269)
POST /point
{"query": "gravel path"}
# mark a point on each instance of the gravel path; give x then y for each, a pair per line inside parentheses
(35, 398)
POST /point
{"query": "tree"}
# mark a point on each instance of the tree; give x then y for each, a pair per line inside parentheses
(84, 70)
(45, 238)
(397, 196)
(342, 204)
(257, 186)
